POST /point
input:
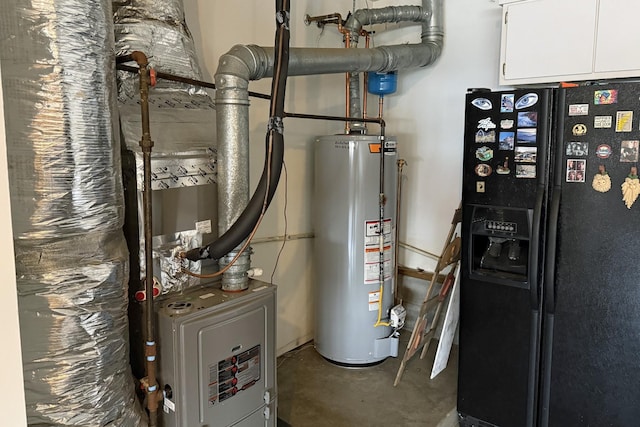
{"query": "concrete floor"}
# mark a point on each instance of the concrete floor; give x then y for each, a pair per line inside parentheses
(313, 392)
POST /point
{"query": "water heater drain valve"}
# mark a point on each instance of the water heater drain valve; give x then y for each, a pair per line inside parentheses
(397, 316)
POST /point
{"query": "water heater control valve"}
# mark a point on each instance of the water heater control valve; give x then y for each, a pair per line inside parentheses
(397, 316)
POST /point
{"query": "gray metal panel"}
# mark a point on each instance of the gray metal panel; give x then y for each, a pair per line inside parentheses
(200, 330)
(346, 196)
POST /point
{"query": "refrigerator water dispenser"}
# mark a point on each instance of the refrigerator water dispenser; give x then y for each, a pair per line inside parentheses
(500, 243)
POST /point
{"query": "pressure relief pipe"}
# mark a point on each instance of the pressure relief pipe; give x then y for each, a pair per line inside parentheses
(249, 62)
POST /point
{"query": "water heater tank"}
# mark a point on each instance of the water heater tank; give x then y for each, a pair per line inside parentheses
(346, 218)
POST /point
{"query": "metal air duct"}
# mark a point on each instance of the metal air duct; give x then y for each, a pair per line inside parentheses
(249, 62)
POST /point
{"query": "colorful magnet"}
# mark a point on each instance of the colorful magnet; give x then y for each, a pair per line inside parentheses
(526, 154)
(484, 153)
(605, 97)
(525, 171)
(624, 121)
(486, 124)
(526, 101)
(630, 187)
(482, 103)
(506, 141)
(604, 151)
(503, 169)
(576, 169)
(579, 130)
(526, 136)
(483, 170)
(506, 103)
(602, 122)
(506, 124)
(629, 151)
(577, 149)
(601, 181)
(528, 119)
(484, 137)
(579, 110)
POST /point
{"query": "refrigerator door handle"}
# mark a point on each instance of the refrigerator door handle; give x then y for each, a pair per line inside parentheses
(550, 265)
(534, 252)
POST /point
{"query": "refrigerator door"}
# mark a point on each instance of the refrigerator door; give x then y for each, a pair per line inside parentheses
(591, 316)
(504, 189)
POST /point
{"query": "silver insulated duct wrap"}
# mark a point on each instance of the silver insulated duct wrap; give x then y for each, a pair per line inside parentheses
(73, 317)
(157, 28)
(57, 60)
(57, 69)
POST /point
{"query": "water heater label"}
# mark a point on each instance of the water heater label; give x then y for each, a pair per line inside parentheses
(233, 375)
(372, 251)
(374, 300)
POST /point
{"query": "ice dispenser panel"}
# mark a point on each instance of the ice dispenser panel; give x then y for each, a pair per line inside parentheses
(500, 244)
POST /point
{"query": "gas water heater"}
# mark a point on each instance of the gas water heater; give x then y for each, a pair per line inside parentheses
(351, 306)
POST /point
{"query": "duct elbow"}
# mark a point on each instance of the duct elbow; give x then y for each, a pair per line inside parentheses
(248, 62)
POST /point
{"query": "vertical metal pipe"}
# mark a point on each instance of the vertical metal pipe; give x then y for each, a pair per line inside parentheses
(146, 145)
(347, 113)
(232, 122)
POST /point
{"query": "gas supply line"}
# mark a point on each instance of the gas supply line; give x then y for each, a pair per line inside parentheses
(153, 395)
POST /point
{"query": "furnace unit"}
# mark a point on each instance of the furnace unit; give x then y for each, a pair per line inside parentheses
(217, 357)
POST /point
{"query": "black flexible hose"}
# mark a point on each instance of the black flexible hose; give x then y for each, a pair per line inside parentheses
(248, 219)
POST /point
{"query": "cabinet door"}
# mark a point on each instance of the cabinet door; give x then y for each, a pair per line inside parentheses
(618, 36)
(543, 40)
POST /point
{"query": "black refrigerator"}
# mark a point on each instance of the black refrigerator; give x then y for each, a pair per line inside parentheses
(550, 284)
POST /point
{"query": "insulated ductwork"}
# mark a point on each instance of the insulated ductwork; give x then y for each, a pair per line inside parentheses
(244, 63)
(157, 28)
(67, 211)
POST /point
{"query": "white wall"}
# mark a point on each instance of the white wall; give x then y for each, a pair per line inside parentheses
(427, 115)
(12, 404)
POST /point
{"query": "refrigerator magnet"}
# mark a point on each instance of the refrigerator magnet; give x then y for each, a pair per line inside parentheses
(603, 151)
(579, 130)
(483, 170)
(602, 122)
(525, 171)
(526, 136)
(576, 169)
(527, 100)
(503, 169)
(506, 141)
(506, 103)
(624, 121)
(528, 119)
(605, 97)
(630, 187)
(577, 149)
(482, 103)
(629, 151)
(601, 181)
(484, 153)
(506, 124)
(485, 137)
(526, 154)
(486, 124)
(579, 109)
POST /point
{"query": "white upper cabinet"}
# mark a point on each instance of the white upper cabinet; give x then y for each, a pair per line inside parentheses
(569, 40)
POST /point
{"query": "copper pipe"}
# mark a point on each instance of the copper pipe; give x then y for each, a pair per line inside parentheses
(347, 125)
(146, 144)
(396, 252)
(366, 81)
(380, 106)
